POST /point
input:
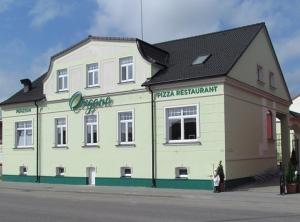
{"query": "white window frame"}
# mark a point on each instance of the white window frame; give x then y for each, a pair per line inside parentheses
(125, 175)
(178, 175)
(22, 172)
(25, 130)
(260, 74)
(64, 77)
(272, 80)
(126, 122)
(60, 127)
(58, 173)
(126, 66)
(182, 140)
(93, 72)
(85, 130)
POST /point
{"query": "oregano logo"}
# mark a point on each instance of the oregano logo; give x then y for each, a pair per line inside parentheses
(77, 102)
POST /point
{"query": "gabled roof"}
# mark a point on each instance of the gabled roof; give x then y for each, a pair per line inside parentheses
(35, 94)
(224, 48)
(175, 57)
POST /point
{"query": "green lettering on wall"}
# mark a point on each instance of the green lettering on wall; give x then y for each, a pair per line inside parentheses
(77, 102)
(187, 91)
(23, 110)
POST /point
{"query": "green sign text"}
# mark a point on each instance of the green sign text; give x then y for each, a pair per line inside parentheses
(23, 110)
(185, 92)
(77, 102)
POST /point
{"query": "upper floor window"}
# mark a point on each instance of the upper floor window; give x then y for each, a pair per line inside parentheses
(61, 131)
(125, 127)
(62, 79)
(272, 80)
(260, 74)
(91, 130)
(269, 125)
(92, 75)
(182, 124)
(126, 69)
(24, 134)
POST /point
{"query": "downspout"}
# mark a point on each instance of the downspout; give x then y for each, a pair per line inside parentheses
(153, 141)
(37, 142)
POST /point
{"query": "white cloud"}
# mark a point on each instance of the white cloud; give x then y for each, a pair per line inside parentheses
(44, 11)
(9, 80)
(5, 4)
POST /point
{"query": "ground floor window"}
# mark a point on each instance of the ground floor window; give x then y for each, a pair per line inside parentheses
(91, 130)
(24, 134)
(182, 124)
(61, 131)
(181, 172)
(125, 127)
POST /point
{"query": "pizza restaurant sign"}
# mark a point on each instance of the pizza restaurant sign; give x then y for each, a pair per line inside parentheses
(188, 91)
(77, 103)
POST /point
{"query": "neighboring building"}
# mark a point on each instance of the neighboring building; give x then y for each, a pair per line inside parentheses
(120, 111)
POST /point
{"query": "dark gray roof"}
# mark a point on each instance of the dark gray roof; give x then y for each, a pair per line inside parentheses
(176, 57)
(153, 54)
(35, 94)
(225, 48)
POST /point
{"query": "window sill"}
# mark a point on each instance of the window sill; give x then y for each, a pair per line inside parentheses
(90, 146)
(260, 82)
(182, 143)
(126, 145)
(23, 148)
(62, 91)
(127, 82)
(92, 87)
(60, 147)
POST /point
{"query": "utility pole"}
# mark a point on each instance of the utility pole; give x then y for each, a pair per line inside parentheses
(142, 19)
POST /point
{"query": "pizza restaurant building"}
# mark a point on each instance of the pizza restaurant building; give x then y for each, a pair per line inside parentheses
(120, 111)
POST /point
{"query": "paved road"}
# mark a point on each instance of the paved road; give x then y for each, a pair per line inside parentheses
(43, 203)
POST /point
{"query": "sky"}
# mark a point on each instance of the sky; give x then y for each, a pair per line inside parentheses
(31, 31)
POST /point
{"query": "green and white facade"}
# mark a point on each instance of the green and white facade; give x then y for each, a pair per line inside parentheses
(101, 120)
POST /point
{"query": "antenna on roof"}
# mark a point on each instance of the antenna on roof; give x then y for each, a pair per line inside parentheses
(142, 20)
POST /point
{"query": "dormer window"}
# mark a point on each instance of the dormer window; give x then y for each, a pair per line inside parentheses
(200, 59)
(126, 69)
(92, 75)
(260, 74)
(62, 80)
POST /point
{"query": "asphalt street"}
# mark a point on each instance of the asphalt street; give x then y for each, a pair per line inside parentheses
(44, 202)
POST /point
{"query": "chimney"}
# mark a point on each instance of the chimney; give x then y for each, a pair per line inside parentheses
(27, 85)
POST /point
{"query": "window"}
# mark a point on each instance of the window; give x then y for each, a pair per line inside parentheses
(269, 125)
(1, 132)
(181, 172)
(200, 59)
(62, 79)
(272, 80)
(60, 171)
(126, 172)
(91, 133)
(61, 131)
(182, 124)
(23, 170)
(260, 74)
(126, 69)
(125, 127)
(92, 75)
(24, 134)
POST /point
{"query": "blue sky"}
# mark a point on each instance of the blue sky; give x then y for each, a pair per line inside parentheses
(33, 30)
